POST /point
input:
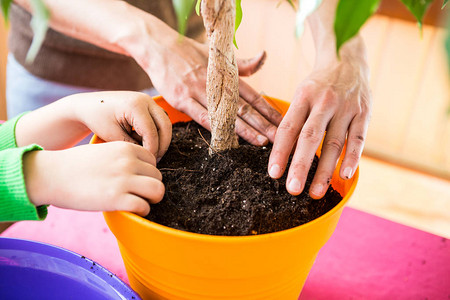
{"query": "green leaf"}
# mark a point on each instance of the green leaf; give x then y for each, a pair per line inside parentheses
(305, 8)
(183, 10)
(197, 7)
(5, 8)
(39, 24)
(444, 4)
(237, 21)
(418, 8)
(350, 16)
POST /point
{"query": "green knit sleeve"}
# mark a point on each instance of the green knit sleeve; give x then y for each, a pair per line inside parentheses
(14, 202)
(8, 133)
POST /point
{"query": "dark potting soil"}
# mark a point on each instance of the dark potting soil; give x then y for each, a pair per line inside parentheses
(231, 193)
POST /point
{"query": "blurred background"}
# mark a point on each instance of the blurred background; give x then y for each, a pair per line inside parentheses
(405, 169)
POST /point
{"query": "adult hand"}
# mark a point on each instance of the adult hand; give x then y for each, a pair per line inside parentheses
(178, 71)
(335, 98)
(102, 177)
(125, 116)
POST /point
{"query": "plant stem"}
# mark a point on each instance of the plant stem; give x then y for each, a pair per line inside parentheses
(222, 85)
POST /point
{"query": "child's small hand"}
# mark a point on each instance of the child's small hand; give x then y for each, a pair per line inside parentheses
(125, 116)
(101, 177)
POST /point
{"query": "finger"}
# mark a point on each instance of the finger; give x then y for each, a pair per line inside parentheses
(147, 169)
(249, 134)
(164, 127)
(133, 203)
(331, 150)
(197, 112)
(250, 66)
(145, 155)
(259, 103)
(144, 126)
(355, 143)
(309, 140)
(148, 188)
(255, 120)
(286, 137)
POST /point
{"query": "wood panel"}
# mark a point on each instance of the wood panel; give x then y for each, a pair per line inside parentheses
(409, 80)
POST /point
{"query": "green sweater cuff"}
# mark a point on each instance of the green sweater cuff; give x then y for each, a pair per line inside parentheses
(14, 202)
(8, 133)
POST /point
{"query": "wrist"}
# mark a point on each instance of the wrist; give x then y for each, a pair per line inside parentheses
(34, 182)
(352, 55)
(146, 40)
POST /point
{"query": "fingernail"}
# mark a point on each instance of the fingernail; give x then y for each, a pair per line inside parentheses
(275, 171)
(348, 172)
(262, 140)
(295, 186)
(317, 190)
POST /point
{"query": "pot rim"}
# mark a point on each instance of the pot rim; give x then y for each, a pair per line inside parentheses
(228, 238)
(231, 239)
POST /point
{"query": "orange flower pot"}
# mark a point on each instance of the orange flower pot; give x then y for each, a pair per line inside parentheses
(166, 263)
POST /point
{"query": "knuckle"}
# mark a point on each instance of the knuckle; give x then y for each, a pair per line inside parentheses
(140, 207)
(310, 134)
(204, 118)
(299, 167)
(357, 139)
(244, 109)
(334, 144)
(288, 127)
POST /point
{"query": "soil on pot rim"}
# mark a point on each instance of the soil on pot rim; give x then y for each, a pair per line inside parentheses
(231, 193)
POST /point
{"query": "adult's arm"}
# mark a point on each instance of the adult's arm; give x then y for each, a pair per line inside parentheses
(177, 67)
(335, 98)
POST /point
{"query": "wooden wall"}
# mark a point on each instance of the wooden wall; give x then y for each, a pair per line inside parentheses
(409, 80)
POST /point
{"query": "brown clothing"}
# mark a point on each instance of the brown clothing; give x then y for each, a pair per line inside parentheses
(70, 61)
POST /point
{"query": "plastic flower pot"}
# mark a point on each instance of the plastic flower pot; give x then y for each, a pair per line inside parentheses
(166, 263)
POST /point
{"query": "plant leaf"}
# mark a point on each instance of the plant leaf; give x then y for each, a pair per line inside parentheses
(39, 24)
(305, 8)
(444, 4)
(5, 8)
(350, 16)
(237, 21)
(197, 7)
(183, 10)
(418, 8)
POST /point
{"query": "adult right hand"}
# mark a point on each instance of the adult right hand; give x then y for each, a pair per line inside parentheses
(178, 68)
(101, 177)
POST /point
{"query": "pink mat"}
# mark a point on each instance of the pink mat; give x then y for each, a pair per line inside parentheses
(366, 258)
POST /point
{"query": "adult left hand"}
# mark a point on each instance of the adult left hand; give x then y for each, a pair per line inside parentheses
(335, 99)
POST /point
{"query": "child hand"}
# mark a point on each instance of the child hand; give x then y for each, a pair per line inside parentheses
(125, 116)
(101, 177)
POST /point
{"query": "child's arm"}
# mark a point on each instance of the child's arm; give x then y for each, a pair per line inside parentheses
(110, 115)
(110, 176)
(101, 177)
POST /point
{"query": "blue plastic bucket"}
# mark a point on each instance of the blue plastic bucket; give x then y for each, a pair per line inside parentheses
(33, 270)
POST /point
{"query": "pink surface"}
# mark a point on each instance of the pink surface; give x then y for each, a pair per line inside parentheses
(366, 258)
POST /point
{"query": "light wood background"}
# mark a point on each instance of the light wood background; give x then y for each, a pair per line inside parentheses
(409, 79)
